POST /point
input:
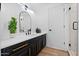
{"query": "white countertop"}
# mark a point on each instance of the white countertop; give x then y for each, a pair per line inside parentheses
(20, 37)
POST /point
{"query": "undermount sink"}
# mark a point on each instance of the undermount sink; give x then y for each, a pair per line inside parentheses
(24, 34)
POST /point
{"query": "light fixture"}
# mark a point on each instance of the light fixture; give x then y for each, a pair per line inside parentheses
(30, 11)
(25, 8)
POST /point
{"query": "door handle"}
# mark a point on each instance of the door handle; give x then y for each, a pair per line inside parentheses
(75, 25)
(50, 29)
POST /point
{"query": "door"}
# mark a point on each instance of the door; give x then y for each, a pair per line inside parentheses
(56, 27)
(73, 29)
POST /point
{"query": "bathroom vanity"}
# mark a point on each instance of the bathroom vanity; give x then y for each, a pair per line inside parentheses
(29, 45)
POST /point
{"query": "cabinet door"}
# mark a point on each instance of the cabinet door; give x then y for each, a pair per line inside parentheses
(33, 46)
(44, 40)
(37, 44)
(40, 43)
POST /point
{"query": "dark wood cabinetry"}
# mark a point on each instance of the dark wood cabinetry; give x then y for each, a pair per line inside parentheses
(30, 47)
(37, 44)
(16, 50)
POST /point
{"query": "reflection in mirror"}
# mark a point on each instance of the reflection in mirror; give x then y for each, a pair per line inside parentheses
(25, 22)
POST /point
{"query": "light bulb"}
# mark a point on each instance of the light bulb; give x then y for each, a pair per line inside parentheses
(30, 11)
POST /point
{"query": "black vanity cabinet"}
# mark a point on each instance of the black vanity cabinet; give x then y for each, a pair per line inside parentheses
(31, 47)
(37, 44)
(20, 49)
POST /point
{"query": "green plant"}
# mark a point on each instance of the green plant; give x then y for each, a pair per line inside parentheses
(12, 25)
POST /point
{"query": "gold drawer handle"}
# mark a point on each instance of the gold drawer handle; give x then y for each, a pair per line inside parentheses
(20, 47)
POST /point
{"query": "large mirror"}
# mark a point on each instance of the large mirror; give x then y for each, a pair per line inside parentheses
(24, 22)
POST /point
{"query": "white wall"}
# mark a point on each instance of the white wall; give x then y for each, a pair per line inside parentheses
(40, 20)
(8, 10)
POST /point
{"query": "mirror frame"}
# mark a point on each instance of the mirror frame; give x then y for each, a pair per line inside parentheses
(20, 21)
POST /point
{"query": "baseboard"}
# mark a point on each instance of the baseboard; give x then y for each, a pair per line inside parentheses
(68, 53)
(57, 49)
(71, 53)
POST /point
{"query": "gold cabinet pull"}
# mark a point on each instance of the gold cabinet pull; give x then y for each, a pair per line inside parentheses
(20, 47)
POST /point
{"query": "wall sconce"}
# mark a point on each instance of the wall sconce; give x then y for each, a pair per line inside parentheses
(25, 8)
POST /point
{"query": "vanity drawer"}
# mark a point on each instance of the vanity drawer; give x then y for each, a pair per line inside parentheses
(17, 49)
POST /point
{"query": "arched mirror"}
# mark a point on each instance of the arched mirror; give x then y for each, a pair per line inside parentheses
(24, 22)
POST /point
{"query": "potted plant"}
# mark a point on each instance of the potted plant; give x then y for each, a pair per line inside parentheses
(12, 26)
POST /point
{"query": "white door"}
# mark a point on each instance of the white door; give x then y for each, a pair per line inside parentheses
(56, 33)
(73, 29)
